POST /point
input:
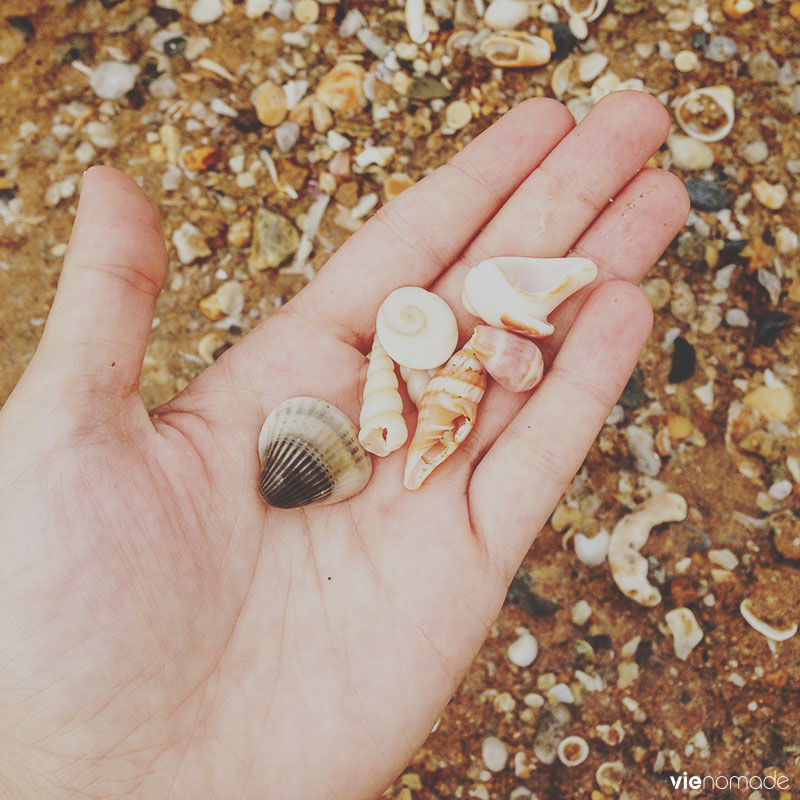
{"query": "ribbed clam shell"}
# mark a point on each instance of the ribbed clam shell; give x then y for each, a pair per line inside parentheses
(310, 453)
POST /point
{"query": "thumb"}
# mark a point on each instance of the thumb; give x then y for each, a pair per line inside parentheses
(113, 272)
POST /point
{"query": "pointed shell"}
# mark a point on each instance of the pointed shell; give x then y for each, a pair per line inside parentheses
(310, 453)
(518, 293)
(516, 49)
(447, 414)
(513, 361)
(417, 328)
(383, 429)
(695, 104)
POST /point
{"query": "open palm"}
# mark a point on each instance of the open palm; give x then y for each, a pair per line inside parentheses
(163, 633)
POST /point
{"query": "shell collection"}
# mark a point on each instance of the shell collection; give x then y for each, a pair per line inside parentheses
(310, 451)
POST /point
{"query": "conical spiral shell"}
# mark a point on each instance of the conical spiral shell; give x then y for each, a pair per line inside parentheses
(417, 381)
(383, 429)
(446, 415)
(512, 360)
(417, 328)
(518, 293)
(310, 453)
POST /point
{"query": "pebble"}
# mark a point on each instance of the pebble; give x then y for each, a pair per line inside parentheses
(458, 115)
(775, 403)
(685, 630)
(101, 134)
(686, 61)
(427, 88)
(563, 40)
(396, 183)
(684, 361)
(642, 449)
(634, 395)
(275, 238)
(209, 345)
(688, 153)
(306, 12)
(550, 731)
(254, 9)
(190, 243)
(581, 612)
(724, 558)
(786, 240)
(494, 754)
(342, 88)
(721, 49)
(591, 66)
(737, 318)
(770, 195)
(737, 9)
(199, 159)
(239, 232)
(755, 152)
(592, 550)
(205, 11)
(112, 80)
(286, 135)
(763, 67)
(270, 104)
(659, 291)
(523, 651)
(683, 304)
(707, 195)
(506, 14)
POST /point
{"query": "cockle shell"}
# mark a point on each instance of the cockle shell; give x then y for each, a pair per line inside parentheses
(513, 361)
(310, 453)
(383, 429)
(417, 381)
(695, 103)
(518, 293)
(417, 328)
(447, 414)
(516, 49)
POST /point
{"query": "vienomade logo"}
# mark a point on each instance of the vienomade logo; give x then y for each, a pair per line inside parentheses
(686, 782)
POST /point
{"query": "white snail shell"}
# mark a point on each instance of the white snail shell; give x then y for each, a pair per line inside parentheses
(417, 328)
(723, 96)
(417, 381)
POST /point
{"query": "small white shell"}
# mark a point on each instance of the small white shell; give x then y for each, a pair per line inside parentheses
(506, 14)
(592, 11)
(383, 429)
(609, 777)
(310, 453)
(417, 328)
(516, 49)
(518, 293)
(417, 381)
(415, 21)
(764, 628)
(693, 103)
(573, 751)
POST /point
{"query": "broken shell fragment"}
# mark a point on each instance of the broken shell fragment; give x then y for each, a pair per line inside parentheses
(628, 566)
(686, 631)
(383, 429)
(516, 49)
(513, 361)
(706, 114)
(518, 293)
(593, 9)
(447, 414)
(310, 453)
(417, 328)
(764, 628)
(417, 381)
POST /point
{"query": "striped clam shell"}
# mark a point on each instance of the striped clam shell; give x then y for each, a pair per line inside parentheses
(310, 453)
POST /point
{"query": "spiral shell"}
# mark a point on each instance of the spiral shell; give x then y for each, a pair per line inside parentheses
(446, 415)
(417, 328)
(383, 429)
(417, 381)
(518, 293)
(310, 453)
(513, 361)
(695, 103)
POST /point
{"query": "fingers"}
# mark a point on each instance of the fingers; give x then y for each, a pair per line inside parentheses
(113, 271)
(413, 238)
(519, 481)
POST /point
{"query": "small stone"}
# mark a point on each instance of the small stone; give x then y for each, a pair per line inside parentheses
(592, 550)
(710, 319)
(685, 630)
(755, 152)
(254, 9)
(523, 651)
(737, 9)
(627, 674)
(721, 49)
(210, 308)
(200, 159)
(707, 195)
(494, 754)
(688, 153)
(724, 558)
(775, 403)
(342, 88)
(679, 427)
(786, 240)
(457, 115)
(506, 14)
(321, 117)
(769, 327)
(770, 195)
(112, 80)
(270, 104)
(239, 232)
(275, 238)
(763, 67)
(686, 61)
(563, 40)
(642, 447)
(286, 135)
(396, 183)
(581, 612)
(684, 361)
(190, 243)
(306, 12)
(634, 395)
(659, 292)
(737, 318)
(683, 304)
(101, 134)
(427, 88)
(205, 11)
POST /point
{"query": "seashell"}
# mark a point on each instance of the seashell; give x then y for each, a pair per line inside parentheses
(592, 11)
(415, 21)
(506, 14)
(561, 79)
(447, 414)
(417, 328)
(764, 628)
(516, 49)
(573, 751)
(383, 429)
(513, 361)
(310, 453)
(685, 629)
(518, 293)
(696, 104)
(417, 381)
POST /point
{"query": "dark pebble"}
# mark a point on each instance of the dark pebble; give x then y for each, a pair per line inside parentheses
(246, 121)
(684, 361)
(707, 195)
(601, 641)
(769, 327)
(24, 25)
(77, 47)
(427, 89)
(164, 16)
(732, 250)
(522, 595)
(563, 39)
(220, 350)
(692, 251)
(8, 192)
(175, 47)
(699, 41)
(633, 395)
(643, 652)
(110, 3)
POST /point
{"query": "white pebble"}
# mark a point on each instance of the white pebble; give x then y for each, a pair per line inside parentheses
(780, 490)
(101, 134)
(337, 142)
(494, 754)
(84, 152)
(737, 318)
(364, 205)
(755, 152)
(548, 13)
(688, 153)
(286, 135)
(204, 11)
(786, 240)
(506, 14)
(561, 693)
(353, 21)
(723, 558)
(112, 80)
(685, 630)
(592, 550)
(254, 9)
(581, 612)
(590, 66)
(189, 243)
(523, 652)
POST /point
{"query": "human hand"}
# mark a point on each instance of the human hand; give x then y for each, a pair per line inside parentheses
(166, 635)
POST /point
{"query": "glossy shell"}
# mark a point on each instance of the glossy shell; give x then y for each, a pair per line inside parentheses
(310, 453)
(383, 429)
(518, 293)
(512, 360)
(417, 328)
